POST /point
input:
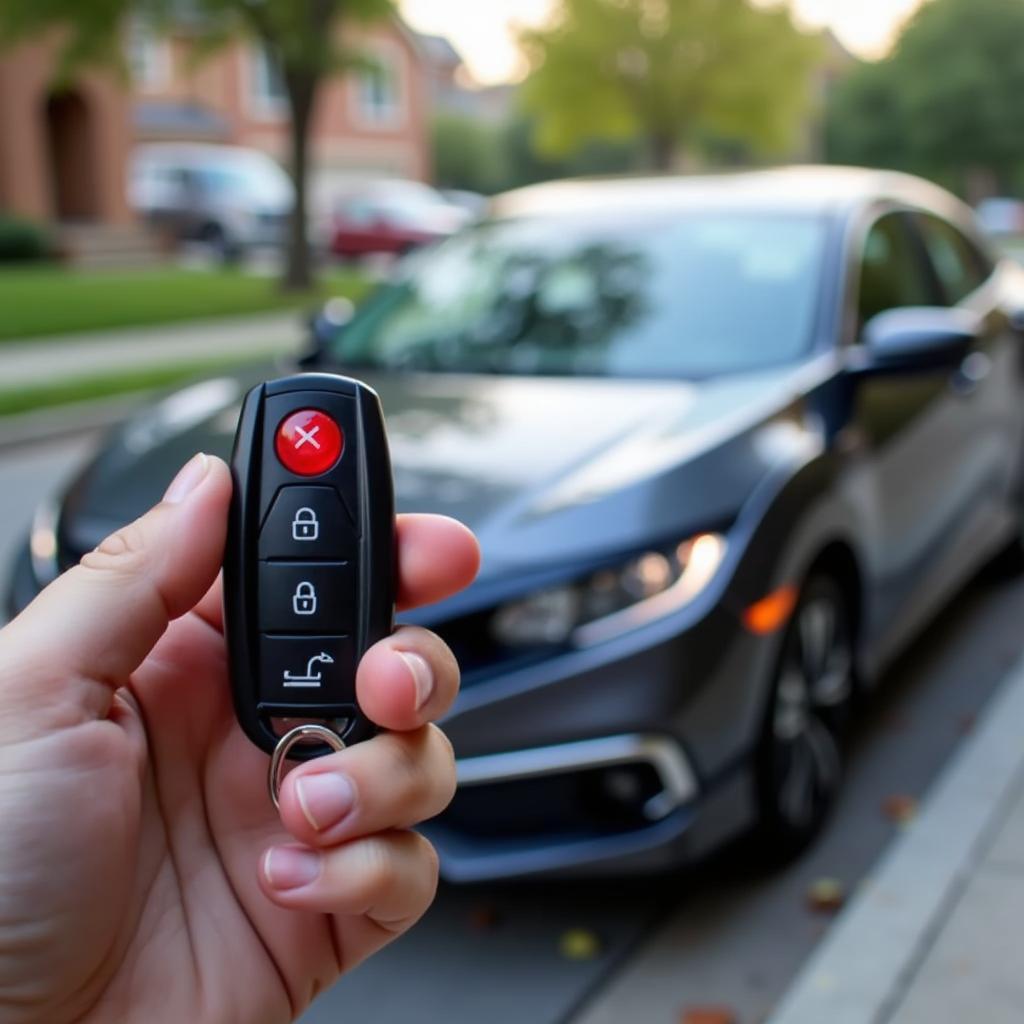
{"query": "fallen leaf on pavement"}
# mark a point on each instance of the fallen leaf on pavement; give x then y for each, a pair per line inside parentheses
(708, 1015)
(826, 895)
(484, 918)
(579, 944)
(899, 807)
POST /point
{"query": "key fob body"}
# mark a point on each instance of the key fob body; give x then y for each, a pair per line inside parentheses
(309, 566)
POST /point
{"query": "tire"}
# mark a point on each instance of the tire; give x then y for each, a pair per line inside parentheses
(224, 250)
(800, 755)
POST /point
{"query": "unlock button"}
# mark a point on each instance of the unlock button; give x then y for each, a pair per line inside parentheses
(307, 597)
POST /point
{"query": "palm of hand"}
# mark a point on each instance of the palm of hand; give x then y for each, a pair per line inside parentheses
(139, 880)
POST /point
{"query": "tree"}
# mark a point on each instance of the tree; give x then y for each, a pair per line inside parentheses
(946, 102)
(467, 153)
(302, 37)
(668, 71)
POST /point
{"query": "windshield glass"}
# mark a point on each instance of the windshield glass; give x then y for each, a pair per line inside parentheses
(699, 294)
(247, 181)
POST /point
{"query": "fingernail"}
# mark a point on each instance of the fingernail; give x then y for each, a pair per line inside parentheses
(188, 478)
(422, 676)
(325, 798)
(289, 867)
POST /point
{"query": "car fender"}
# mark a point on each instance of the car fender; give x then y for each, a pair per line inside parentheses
(800, 513)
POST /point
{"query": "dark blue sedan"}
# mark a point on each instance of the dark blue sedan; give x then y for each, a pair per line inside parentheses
(728, 443)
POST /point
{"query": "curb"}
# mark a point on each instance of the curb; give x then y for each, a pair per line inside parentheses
(78, 417)
(861, 971)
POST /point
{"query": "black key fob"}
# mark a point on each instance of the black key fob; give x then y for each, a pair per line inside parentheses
(309, 567)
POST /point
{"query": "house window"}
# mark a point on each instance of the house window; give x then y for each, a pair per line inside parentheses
(267, 92)
(378, 91)
(149, 57)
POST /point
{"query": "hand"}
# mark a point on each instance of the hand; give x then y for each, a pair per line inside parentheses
(144, 874)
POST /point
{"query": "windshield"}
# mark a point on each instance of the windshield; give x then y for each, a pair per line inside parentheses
(247, 181)
(689, 296)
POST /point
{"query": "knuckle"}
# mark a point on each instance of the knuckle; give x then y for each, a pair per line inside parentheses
(379, 870)
(428, 855)
(409, 764)
(445, 777)
(123, 551)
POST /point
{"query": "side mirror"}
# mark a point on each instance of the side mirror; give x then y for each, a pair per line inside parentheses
(325, 325)
(918, 338)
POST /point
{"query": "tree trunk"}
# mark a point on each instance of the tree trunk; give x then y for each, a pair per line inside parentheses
(301, 98)
(663, 152)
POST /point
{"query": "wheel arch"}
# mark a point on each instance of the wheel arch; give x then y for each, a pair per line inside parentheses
(838, 559)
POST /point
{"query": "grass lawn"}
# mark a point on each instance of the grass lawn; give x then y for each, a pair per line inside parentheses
(52, 300)
(80, 389)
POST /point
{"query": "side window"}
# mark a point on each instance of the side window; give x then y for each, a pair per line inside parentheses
(958, 264)
(892, 273)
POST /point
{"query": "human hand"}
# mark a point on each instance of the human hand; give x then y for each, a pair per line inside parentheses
(144, 874)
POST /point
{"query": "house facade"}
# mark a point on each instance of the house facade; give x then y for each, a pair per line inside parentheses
(64, 154)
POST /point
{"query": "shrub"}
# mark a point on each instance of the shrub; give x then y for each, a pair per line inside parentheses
(21, 240)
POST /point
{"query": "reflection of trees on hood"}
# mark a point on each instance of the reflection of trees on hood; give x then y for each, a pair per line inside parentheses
(573, 305)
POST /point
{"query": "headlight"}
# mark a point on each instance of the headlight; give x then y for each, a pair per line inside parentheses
(612, 601)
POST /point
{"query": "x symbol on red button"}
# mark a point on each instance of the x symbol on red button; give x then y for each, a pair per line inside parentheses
(307, 436)
(308, 442)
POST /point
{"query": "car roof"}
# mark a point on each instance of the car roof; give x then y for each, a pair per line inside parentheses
(198, 153)
(800, 189)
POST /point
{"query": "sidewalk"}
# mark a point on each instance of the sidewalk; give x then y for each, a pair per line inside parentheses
(934, 936)
(41, 360)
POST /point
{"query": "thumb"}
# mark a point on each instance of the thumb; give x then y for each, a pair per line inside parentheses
(85, 634)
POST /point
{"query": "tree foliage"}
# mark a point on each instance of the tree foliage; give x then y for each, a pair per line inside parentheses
(488, 157)
(303, 37)
(670, 72)
(947, 101)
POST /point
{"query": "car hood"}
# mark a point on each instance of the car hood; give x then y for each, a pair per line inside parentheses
(545, 470)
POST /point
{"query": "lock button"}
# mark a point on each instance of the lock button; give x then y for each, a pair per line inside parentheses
(308, 523)
(305, 525)
(307, 597)
(304, 600)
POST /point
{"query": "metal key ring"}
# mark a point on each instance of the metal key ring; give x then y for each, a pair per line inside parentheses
(309, 730)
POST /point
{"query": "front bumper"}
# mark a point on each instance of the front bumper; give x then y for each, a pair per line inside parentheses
(629, 756)
(632, 755)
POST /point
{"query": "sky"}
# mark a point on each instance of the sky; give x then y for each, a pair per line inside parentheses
(483, 30)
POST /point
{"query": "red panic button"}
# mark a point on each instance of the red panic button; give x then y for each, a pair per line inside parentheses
(309, 442)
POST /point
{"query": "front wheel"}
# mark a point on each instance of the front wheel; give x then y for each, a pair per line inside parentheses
(800, 754)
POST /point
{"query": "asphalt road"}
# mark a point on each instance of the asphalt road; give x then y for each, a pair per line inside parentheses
(727, 934)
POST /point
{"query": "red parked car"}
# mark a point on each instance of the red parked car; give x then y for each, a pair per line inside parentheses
(392, 217)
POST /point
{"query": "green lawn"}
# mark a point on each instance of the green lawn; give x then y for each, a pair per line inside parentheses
(81, 389)
(52, 300)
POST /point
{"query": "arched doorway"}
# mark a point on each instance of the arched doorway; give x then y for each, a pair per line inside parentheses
(72, 158)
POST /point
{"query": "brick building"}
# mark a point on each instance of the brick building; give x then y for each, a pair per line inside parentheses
(63, 155)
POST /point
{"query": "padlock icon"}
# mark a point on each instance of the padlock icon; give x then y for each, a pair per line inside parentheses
(304, 599)
(305, 525)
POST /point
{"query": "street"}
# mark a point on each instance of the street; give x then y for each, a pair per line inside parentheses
(725, 934)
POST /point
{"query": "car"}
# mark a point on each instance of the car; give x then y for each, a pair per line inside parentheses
(728, 443)
(392, 217)
(1001, 216)
(230, 198)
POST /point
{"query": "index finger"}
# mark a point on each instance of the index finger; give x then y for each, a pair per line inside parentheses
(437, 557)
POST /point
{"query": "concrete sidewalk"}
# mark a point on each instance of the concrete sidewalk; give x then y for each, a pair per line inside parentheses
(934, 936)
(46, 359)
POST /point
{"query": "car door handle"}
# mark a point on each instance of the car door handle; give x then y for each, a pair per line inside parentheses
(970, 374)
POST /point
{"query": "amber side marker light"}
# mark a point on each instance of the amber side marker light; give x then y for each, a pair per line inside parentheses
(772, 612)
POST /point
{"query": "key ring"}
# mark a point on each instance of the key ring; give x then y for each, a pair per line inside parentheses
(308, 730)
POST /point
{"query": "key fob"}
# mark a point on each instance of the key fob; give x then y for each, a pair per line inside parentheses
(309, 567)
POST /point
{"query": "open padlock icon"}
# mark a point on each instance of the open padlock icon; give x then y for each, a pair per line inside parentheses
(304, 599)
(305, 525)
